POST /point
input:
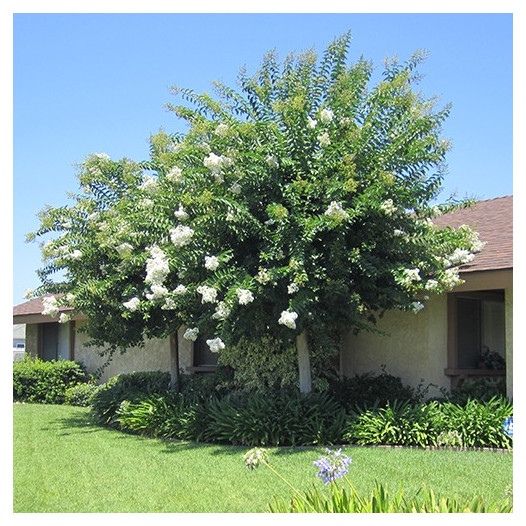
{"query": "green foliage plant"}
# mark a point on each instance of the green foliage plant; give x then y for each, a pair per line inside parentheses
(81, 394)
(299, 206)
(39, 381)
(346, 499)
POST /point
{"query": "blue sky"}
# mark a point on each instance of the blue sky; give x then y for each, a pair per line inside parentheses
(85, 83)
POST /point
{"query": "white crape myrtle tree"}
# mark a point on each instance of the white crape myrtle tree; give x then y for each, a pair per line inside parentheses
(297, 207)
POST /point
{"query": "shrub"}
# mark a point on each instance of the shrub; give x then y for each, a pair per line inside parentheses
(81, 394)
(482, 389)
(35, 380)
(130, 387)
(371, 389)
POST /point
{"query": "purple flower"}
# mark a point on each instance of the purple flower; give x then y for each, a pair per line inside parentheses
(333, 466)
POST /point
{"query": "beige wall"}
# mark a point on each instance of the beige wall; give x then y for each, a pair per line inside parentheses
(154, 356)
(414, 347)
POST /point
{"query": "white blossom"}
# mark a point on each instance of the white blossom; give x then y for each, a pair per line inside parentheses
(311, 123)
(28, 294)
(209, 294)
(244, 296)
(324, 139)
(288, 318)
(132, 304)
(293, 288)
(157, 267)
(432, 284)
(410, 275)
(211, 262)
(180, 289)
(222, 311)
(76, 254)
(169, 304)
(149, 185)
(158, 292)
(102, 156)
(181, 214)
(175, 174)
(272, 161)
(336, 211)
(263, 276)
(215, 345)
(181, 235)
(124, 248)
(388, 207)
(460, 257)
(451, 278)
(326, 115)
(191, 334)
(213, 162)
(50, 306)
(64, 318)
(236, 188)
(221, 130)
(417, 306)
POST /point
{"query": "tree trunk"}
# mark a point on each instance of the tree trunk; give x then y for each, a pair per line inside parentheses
(175, 379)
(302, 347)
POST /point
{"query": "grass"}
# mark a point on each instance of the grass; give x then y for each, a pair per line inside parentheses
(64, 463)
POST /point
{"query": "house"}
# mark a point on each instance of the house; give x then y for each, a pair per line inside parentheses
(19, 341)
(443, 344)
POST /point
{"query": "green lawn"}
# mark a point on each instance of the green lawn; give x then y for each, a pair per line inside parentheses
(64, 463)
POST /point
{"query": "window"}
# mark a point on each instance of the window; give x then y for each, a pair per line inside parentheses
(204, 358)
(477, 342)
(20, 345)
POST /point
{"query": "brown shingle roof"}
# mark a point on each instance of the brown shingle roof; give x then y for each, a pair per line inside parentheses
(34, 306)
(493, 220)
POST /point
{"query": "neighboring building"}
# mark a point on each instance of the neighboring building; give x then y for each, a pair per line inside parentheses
(441, 345)
(19, 342)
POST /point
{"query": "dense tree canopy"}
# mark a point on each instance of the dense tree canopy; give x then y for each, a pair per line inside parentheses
(298, 205)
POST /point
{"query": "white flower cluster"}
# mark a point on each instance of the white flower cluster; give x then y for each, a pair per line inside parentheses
(244, 296)
(211, 262)
(222, 311)
(215, 345)
(181, 235)
(451, 278)
(156, 266)
(124, 248)
(209, 294)
(180, 289)
(133, 304)
(326, 115)
(293, 288)
(324, 139)
(272, 161)
(50, 306)
(149, 185)
(158, 292)
(191, 334)
(388, 207)
(288, 318)
(335, 211)
(76, 254)
(263, 276)
(175, 175)
(460, 257)
(64, 318)
(411, 275)
(181, 214)
(215, 163)
(221, 130)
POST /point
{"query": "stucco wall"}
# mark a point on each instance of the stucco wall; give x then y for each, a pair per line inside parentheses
(154, 356)
(414, 347)
(32, 339)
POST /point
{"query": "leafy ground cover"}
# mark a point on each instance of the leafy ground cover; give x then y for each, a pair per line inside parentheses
(63, 462)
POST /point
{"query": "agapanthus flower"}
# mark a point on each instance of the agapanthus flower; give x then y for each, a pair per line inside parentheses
(211, 262)
(254, 457)
(244, 296)
(215, 345)
(288, 318)
(333, 466)
(132, 304)
(209, 294)
(191, 334)
(181, 235)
